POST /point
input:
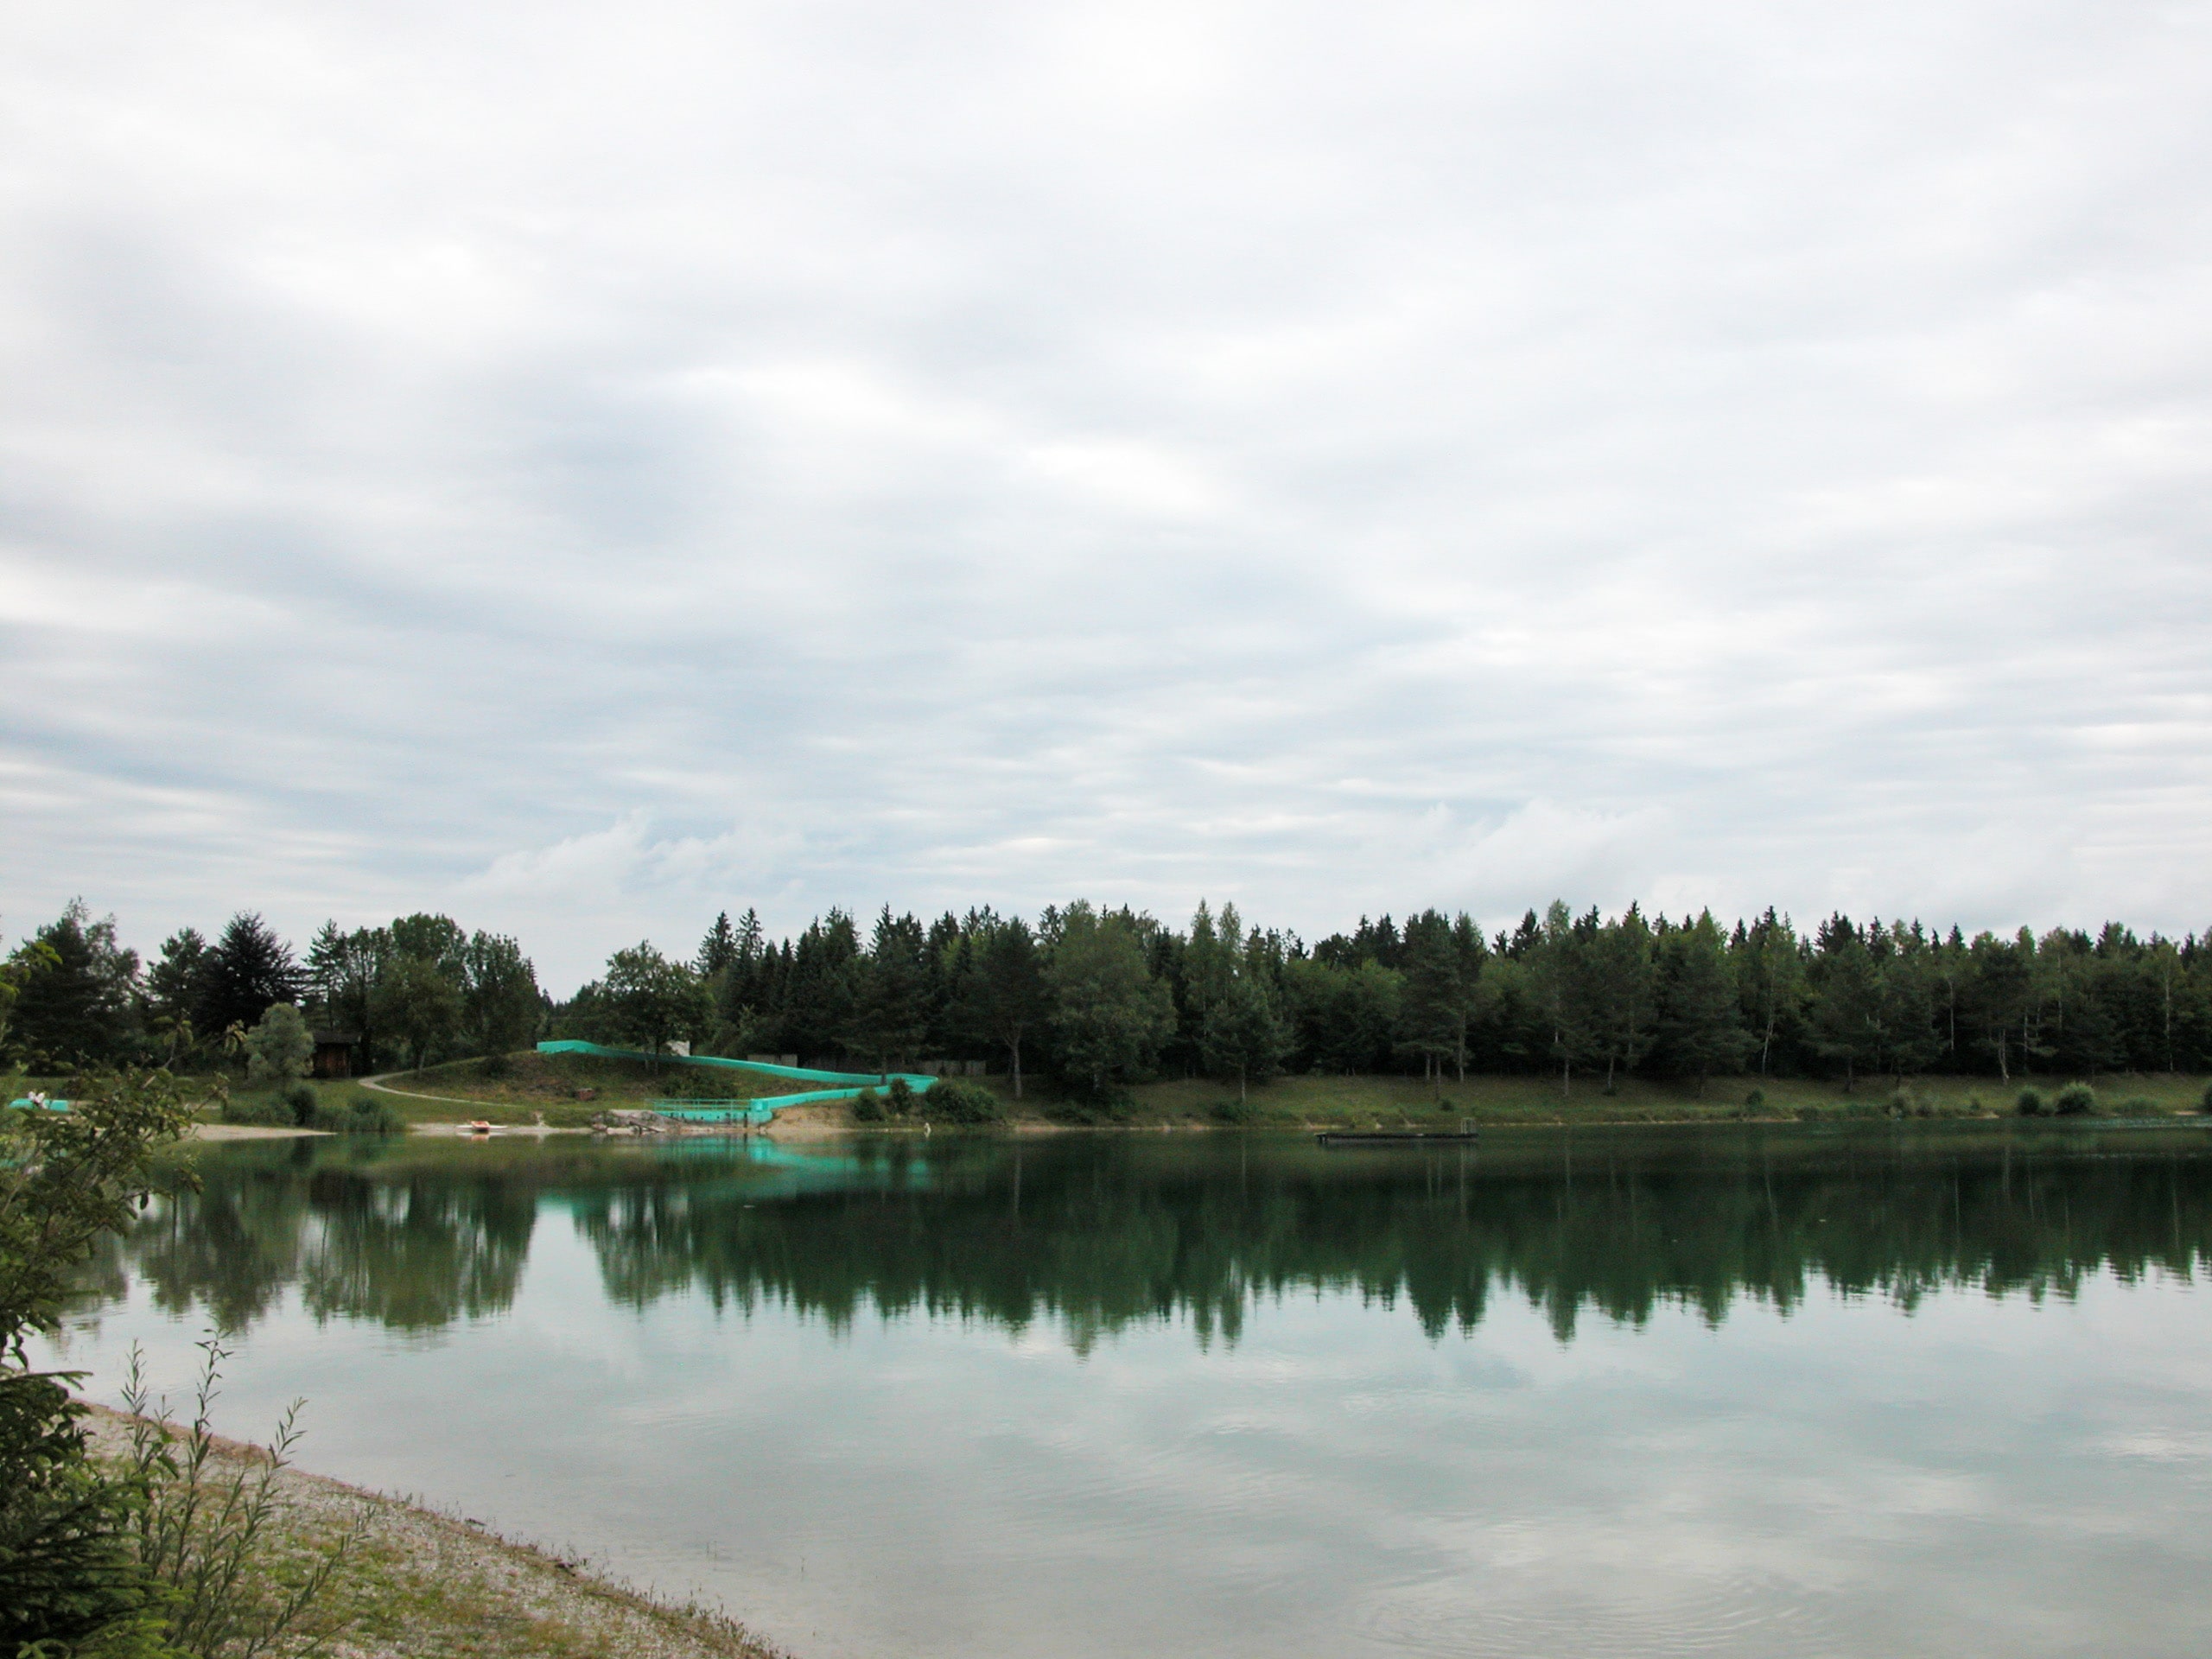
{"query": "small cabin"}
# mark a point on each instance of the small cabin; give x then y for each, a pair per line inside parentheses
(336, 1053)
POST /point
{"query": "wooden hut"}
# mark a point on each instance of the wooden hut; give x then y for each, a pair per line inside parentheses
(336, 1053)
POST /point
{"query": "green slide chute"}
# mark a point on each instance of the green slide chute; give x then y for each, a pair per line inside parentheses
(838, 1085)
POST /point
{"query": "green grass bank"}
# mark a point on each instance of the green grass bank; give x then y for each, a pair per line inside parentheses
(531, 1083)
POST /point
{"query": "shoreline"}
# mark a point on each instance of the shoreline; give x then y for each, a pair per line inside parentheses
(421, 1581)
(816, 1129)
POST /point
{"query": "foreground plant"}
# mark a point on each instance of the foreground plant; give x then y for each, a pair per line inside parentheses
(172, 1555)
(67, 1573)
(206, 1528)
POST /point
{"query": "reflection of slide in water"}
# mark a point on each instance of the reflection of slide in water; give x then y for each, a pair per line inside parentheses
(842, 1085)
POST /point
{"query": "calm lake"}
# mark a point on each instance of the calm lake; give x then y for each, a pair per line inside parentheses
(1857, 1391)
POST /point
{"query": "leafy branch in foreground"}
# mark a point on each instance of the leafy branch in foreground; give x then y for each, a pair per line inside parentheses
(68, 1579)
(176, 1554)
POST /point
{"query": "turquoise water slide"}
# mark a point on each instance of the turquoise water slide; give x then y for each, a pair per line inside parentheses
(843, 1084)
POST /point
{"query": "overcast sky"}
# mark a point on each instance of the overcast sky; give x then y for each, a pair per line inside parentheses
(581, 467)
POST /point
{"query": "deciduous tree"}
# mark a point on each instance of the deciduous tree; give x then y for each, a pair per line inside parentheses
(1243, 1034)
(652, 1001)
(1108, 1015)
(280, 1048)
(1003, 1000)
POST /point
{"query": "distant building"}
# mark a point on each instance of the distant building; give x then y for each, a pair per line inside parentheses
(337, 1054)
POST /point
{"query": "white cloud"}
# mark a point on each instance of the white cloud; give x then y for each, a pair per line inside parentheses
(596, 467)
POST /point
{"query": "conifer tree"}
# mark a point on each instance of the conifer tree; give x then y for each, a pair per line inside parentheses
(249, 970)
(1003, 1001)
(890, 1015)
(1701, 1029)
(718, 949)
(1432, 1013)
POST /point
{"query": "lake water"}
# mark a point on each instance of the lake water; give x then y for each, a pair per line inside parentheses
(1875, 1391)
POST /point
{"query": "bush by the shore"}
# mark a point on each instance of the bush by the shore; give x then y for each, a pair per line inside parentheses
(2076, 1100)
(949, 1099)
(362, 1114)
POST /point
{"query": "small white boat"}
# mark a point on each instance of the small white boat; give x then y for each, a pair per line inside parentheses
(477, 1127)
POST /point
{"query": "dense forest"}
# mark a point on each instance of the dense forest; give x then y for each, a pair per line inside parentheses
(1098, 999)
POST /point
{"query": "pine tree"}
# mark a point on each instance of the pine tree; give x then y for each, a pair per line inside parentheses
(820, 981)
(1432, 1014)
(890, 1015)
(173, 981)
(1847, 1014)
(1623, 986)
(75, 991)
(1700, 1025)
(1003, 999)
(718, 951)
(248, 971)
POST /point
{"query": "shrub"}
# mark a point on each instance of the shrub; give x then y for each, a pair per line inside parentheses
(267, 1111)
(952, 1101)
(695, 1083)
(2031, 1103)
(899, 1097)
(69, 1579)
(361, 1115)
(494, 1066)
(2076, 1100)
(205, 1532)
(1756, 1099)
(64, 1532)
(279, 1048)
(2204, 1100)
(300, 1101)
(868, 1107)
(1110, 1106)
(1237, 1111)
(2138, 1106)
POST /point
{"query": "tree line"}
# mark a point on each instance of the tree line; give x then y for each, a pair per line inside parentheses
(415, 990)
(1100, 998)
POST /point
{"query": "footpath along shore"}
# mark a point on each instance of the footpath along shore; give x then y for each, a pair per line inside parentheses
(418, 1583)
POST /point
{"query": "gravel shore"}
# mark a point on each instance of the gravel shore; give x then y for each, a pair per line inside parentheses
(419, 1585)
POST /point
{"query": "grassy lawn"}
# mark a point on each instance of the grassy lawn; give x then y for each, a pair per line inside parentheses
(1408, 1103)
(526, 1084)
(531, 1083)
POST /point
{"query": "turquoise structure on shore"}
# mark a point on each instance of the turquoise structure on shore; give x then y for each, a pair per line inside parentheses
(845, 1084)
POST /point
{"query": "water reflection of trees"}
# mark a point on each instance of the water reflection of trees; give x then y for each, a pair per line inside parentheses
(411, 1248)
(1092, 1236)
(1097, 1235)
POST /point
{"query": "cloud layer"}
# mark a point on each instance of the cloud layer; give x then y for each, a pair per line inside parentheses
(584, 466)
